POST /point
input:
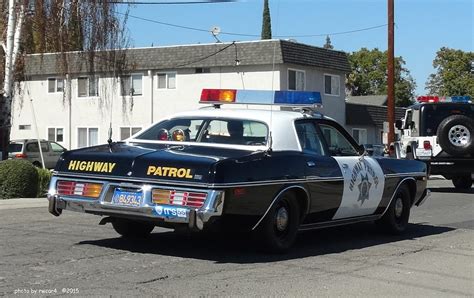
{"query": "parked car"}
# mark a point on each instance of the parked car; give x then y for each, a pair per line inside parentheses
(28, 149)
(272, 173)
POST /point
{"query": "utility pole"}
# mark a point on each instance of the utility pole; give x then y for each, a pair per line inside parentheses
(390, 74)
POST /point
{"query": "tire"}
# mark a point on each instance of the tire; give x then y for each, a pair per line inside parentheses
(395, 219)
(131, 228)
(277, 231)
(462, 182)
(456, 135)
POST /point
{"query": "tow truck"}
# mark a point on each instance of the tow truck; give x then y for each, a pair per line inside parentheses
(440, 132)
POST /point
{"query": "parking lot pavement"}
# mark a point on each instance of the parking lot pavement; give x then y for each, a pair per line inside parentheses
(72, 254)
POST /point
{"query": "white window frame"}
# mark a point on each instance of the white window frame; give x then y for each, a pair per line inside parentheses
(96, 77)
(360, 129)
(167, 73)
(55, 133)
(88, 141)
(296, 78)
(130, 130)
(130, 77)
(55, 84)
(338, 80)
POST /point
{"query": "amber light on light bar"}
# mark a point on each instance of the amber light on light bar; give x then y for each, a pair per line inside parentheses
(83, 189)
(182, 198)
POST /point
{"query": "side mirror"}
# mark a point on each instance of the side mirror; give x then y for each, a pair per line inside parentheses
(398, 124)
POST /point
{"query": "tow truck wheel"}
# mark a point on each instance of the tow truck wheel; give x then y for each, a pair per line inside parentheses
(395, 219)
(277, 231)
(456, 135)
(462, 182)
(132, 228)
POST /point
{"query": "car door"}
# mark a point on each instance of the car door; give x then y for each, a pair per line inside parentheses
(363, 178)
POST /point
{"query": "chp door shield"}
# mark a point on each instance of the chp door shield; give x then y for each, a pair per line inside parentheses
(364, 183)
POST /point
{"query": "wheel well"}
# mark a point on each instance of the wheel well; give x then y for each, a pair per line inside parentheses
(302, 199)
(411, 184)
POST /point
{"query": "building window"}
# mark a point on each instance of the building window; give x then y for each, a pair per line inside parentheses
(24, 127)
(132, 85)
(88, 86)
(127, 132)
(360, 135)
(87, 136)
(167, 80)
(296, 79)
(203, 70)
(55, 85)
(56, 134)
(331, 84)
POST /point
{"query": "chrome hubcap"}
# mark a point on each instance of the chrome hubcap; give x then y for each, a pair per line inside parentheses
(398, 207)
(459, 135)
(281, 219)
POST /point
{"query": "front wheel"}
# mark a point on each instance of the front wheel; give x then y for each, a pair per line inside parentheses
(132, 228)
(277, 232)
(395, 219)
(462, 182)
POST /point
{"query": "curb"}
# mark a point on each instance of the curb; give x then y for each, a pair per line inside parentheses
(23, 203)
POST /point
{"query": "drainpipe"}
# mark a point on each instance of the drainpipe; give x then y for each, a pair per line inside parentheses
(68, 96)
(150, 75)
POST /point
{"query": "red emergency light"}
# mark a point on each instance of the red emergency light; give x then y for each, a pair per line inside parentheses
(428, 99)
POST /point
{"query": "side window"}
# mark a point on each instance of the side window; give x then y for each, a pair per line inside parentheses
(44, 147)
(337, 143)
(32, 147)
(309, 138)
(56, 147)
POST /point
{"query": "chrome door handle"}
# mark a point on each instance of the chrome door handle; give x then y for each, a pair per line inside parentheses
(311, 164)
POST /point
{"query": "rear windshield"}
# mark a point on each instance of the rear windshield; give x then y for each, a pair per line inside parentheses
(15, 147)
(205, 130)
(432, 115)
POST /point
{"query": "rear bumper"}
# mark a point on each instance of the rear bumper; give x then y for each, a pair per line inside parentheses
(160, 214)
(452, 166)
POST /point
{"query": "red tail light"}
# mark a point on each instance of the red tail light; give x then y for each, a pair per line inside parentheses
(20, 155)
(84, 189)
(182, 198)
(427, 145)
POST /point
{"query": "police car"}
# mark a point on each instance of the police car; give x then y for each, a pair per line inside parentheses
(440, 132)
(270, 172)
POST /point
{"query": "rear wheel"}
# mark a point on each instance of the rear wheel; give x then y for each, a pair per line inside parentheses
(462, 182)
(277, 232)
(132, 228)
(456, 135)
(395, 219)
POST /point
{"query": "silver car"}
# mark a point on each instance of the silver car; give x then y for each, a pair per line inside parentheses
(28, 149)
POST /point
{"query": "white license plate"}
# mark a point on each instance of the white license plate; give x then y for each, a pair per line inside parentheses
(423, 153)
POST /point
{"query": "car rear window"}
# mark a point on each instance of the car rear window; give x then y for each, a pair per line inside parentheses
(15, 147)
(205, 130)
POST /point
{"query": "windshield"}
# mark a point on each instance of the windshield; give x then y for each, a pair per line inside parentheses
(208, 130)
(14, 147)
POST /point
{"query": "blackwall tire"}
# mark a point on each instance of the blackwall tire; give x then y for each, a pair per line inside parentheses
(395, 219)
(462, 182)
(131, 228)
(456, 135)
(277, 231)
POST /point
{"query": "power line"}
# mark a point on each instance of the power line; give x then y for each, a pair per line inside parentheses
(252, 35)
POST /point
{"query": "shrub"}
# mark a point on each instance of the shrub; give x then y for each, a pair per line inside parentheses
(18, 179)
(44, 176)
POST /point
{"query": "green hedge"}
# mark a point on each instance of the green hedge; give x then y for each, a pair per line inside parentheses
(44, 176)
(18, 179)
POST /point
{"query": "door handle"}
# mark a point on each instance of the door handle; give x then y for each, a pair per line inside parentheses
(311, 164)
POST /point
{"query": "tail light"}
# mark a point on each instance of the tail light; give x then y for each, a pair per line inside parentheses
(21, 155)
(427, 145)
(181, 198)
(83, 189)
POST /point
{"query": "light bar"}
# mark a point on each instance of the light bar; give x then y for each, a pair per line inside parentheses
(455, 99)
(261, 97)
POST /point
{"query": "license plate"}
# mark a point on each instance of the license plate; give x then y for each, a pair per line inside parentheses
(423, 153)
(127, 198)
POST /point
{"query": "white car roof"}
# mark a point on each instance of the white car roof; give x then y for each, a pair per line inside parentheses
(284, 137)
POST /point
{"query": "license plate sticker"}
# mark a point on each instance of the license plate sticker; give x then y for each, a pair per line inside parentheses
(127, 198)
(170, 212)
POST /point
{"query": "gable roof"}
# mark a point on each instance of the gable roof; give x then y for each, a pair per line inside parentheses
(361, 114)
(190, 56)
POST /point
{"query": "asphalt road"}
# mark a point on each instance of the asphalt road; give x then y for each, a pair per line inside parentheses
(73, 255)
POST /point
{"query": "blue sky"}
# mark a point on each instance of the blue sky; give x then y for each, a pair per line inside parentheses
(422, 26)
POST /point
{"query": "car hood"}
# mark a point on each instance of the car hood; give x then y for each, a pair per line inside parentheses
(153, 161)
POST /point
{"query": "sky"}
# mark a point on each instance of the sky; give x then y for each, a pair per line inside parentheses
(422, 27)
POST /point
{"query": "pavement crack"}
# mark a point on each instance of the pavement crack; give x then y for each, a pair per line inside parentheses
(153, 280)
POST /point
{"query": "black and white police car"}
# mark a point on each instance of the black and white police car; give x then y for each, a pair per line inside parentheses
(270, 172)
(440, 132)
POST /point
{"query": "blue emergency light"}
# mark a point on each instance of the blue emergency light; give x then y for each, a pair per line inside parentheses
(261, 97)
